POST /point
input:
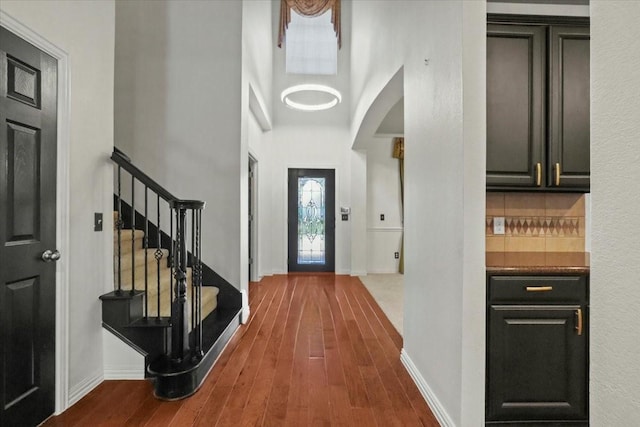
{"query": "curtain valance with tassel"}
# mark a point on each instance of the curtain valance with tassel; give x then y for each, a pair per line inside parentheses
(309, 8)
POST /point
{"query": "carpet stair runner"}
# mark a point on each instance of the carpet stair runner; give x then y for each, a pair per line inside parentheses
(149, 264)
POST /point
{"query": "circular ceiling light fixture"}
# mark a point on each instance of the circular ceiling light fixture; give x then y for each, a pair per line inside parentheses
(310, 97)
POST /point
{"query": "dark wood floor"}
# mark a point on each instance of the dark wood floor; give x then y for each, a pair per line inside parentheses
(317, 351)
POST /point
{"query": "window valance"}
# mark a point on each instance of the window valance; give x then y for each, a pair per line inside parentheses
(309, 8)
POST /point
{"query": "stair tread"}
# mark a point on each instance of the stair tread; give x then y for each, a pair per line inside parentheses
(120, 295)
(151, 322)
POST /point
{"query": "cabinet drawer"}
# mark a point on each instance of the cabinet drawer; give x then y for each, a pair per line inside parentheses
(537, 288)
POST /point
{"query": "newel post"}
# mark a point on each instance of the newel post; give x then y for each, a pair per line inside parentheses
(179, 306)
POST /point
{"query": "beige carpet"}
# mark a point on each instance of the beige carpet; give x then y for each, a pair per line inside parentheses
(387, 290)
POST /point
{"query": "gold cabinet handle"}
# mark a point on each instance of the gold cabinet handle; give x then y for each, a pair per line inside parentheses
(579, 321)
(556, 168)
(538, 174)
(539, 288)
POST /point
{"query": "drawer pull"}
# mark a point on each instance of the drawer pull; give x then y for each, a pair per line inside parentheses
(539, 288)
(579, 321)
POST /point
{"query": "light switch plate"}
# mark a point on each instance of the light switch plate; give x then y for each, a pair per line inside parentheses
(97, 221)
(498, 225)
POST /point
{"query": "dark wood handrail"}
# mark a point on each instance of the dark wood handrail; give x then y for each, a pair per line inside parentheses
(124, 161)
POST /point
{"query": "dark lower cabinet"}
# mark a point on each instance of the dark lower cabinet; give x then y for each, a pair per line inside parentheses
(537, 350)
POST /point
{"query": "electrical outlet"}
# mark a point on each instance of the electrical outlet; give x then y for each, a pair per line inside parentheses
(498, 225)
(381, 217)
(396, 255)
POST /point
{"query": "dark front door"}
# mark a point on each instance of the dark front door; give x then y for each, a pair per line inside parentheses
(312, 223)
(28, 82)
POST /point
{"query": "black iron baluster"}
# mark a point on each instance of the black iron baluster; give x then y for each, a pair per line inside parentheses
(171, 243)
(119, 226)
(193, 271)
(171, 246)
(198, 267)
(146, 250)
(158, 255)
(133, 235)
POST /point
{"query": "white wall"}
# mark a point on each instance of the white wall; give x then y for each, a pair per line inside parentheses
(444, 198)
(306, 140)
(383, 197)
(257, 74)
(178, 110)
(307, 147)
(85, 30)
(615, 295)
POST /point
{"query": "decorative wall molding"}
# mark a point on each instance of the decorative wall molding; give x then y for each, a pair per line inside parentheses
(436, 407)
(385, 229)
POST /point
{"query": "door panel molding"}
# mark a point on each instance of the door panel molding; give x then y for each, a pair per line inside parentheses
(62, 201)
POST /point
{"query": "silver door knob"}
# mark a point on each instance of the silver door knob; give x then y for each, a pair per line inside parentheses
(49, 255)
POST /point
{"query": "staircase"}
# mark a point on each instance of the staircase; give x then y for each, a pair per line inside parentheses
(166, 303)
(151, 274)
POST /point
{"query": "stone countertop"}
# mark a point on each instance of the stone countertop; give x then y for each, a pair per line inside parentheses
(537, 262)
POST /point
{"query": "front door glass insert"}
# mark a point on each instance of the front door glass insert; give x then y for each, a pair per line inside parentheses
(311, 220)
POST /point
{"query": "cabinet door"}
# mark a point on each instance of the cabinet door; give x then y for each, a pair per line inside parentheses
(536, 363)
(569, 135)
(515, 105)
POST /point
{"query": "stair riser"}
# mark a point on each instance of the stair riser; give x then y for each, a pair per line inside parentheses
(165, 279)
(209, 303)
(125, 245)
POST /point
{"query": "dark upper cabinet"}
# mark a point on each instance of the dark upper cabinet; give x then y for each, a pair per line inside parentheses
(537, 107)
(515, 105)
(569, 139)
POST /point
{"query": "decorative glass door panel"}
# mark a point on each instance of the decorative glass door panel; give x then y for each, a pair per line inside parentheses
(311, 219)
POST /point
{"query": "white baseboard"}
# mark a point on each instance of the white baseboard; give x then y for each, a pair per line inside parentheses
(84, 387)
(246, 309)
(358, 272)
(382, 271)
(117, 373)
(436, 407)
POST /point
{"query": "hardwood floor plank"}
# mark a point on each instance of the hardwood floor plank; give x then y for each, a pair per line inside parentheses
(244, 383)
(220, 394)
(319, 412)
(316, 351)
(193, 405)
(394, 389)
(276, 409)
(355, 386)
(164, 414)
(298, 400)
(258, 397)
(388, 345)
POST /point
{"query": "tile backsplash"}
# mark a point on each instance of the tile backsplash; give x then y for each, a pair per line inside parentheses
(536, 222)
